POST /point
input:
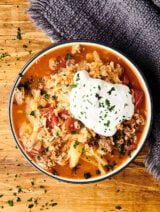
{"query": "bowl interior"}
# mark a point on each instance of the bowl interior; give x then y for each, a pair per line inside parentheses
(138, 74)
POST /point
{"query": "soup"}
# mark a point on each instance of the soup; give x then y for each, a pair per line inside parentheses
(73, 137)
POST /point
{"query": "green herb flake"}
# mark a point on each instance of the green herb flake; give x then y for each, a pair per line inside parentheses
(1, 195)
(107, 102)
(41, 80)
(53, 204)
(30, 206)
(19, 190)
(19, 36)
(69, 56)
(30, 200)
(87, 175)
(41, 186)
(57, 134)
(32, 113)
(98, 96)
(110, 91)
(10, 202)
(118, 207)
(4, 55)
(46, 96)
(54, 172)
(72, 86)
(18, 199)
(38, 157)
(74, 132)
(32, 183)
(76, 144)
(25, 46)
(98, 171)
(77, 77)
(21, 75)
(107, 124)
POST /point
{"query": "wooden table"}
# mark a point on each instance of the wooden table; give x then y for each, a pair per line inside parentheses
(133, 189)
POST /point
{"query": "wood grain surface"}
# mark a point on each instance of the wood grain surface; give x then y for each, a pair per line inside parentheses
(133, 189)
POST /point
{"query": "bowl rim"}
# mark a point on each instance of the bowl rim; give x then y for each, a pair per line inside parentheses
(70, 180)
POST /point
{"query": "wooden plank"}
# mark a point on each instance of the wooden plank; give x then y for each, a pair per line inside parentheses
(139, 192)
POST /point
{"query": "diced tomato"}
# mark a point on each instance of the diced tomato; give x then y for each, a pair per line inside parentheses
(63, 113)
(125, 79)
(70, 125)
(52, 119)
(35, 151)
(137, 98)
(130, 147)
(63, 60)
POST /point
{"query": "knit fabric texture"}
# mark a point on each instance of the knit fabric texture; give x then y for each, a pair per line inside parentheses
(132, 26)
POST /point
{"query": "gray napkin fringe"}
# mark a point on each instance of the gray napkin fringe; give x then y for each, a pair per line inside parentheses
(133, 26)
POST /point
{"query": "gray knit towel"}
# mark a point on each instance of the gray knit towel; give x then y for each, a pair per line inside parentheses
(132, 26)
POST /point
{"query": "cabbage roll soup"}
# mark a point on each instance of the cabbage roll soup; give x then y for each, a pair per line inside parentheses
(79, 111)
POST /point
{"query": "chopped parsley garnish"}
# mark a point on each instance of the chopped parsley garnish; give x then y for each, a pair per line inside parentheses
(1, 195)
(19, 36)
(121, 149)
(4, 55)
(53, 204)
(54, 172)
(30, 206)
(77, 77)
(41, 80)
(76, 168)
(32, 183)
(19, 190)
(21, 75)
(98, 171)
(87, 175)
(83, 150)
(46, 96)
(10, 202)
(32, 113)
(38, 157)
(41, 186)
(43, 92)
(114, 163)
(25, 46)
(30, 200)
(69, 56)
(57, 134)
(18, 199)
(107, 124)
(74, 132)
(107, 102)
(118, 207)
(76, 144)
(72, 86)
(53, 97)
(111, 108)
(125, 105)
(110, 91)
(98, 96)
(99, 87)
(108, 167)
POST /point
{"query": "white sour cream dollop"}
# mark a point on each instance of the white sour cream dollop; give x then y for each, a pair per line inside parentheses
(99, 105)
